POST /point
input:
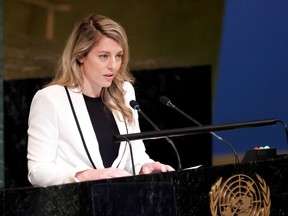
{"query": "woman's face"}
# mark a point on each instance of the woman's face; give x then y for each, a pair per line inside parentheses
(100, 66)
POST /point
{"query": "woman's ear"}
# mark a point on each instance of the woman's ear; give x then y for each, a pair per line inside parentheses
(80, 59)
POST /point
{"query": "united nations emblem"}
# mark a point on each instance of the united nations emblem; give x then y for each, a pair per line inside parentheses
(240, 195)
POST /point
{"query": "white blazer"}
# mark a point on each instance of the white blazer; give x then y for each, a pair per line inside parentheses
(55, 149)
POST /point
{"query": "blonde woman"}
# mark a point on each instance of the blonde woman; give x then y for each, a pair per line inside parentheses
(73, 118)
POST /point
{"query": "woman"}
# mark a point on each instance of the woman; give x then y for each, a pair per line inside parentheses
(72, 120)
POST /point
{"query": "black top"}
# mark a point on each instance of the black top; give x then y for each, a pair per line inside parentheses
(105, 127)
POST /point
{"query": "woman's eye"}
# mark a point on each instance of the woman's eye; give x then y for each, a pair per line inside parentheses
(103, 56)
(119, 56)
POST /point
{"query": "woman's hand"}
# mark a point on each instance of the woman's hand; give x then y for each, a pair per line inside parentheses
(97, 174)
(155, 167)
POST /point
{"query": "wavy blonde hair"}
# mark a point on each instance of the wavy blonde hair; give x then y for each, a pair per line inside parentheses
(85, 35)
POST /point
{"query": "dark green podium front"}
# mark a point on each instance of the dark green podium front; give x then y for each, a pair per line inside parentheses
(183, 192)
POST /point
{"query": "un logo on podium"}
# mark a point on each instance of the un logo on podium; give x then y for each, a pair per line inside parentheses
(240, 195)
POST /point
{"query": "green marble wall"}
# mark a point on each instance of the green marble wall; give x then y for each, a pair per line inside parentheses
(1, 104)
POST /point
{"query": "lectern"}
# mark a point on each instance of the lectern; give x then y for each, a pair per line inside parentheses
(256, 188)
(253, 188)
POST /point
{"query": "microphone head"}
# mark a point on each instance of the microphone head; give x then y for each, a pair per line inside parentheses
(164, 100)
(134, 104)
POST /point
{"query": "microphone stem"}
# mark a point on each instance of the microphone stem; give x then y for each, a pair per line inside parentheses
(285, 127)
(187, 116)
(229, 144)
(167, 138)
(212, 133)
(149, 120)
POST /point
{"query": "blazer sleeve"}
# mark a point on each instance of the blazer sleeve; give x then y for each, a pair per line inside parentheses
(43, 144)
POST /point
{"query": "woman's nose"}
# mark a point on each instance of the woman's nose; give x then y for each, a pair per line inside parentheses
(113, 63)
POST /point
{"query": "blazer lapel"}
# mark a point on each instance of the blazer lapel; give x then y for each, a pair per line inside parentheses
(123, 153)
(86, 127)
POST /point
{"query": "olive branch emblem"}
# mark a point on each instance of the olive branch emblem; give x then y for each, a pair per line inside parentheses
(240, 195)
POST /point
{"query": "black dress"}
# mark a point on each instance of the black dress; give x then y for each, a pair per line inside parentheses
(105, 127)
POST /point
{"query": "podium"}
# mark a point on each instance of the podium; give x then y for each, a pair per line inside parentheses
(255, 188)
(186, 192)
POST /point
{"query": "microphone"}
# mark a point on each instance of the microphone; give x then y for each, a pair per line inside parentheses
(167, 102)
(134, 104)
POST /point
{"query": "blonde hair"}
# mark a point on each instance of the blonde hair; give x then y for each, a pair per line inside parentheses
(85, 35)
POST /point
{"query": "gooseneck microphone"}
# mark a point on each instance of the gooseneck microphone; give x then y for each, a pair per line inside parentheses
(167, 102)
(134, 104)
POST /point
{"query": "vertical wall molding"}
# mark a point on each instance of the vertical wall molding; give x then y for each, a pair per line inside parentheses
(2, 177)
